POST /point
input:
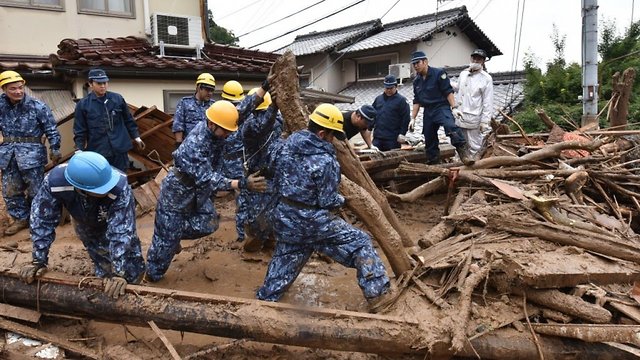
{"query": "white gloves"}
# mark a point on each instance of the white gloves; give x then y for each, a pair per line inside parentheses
(140, 143)
(485, 128)
(412, 123)
(401, 139)
(374, 148)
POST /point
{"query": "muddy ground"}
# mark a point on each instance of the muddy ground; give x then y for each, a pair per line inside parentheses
(216, 265)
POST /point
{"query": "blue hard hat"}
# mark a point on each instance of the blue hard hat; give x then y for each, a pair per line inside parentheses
(98, 75)
(90, 171)
(368, 112)
(390, 81)
(418, 55)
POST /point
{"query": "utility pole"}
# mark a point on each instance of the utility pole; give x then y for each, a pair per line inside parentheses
(589, 61)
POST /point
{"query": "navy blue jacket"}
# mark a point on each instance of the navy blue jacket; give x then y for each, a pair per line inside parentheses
(104, 125)
(433, 90)
(392, 116)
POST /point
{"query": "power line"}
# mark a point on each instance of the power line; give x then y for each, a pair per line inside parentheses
(344, 52)
(516, 52)
(286, 17)
(309, 24)
(237, 11)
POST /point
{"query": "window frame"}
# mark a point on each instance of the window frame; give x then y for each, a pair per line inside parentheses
(132, 3)
(31, 5)
(166, 96)
(391, 57)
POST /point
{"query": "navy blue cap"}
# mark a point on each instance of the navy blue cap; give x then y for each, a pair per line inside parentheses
(390, 81)
(417, 56)
(98, 75)
(368, 112)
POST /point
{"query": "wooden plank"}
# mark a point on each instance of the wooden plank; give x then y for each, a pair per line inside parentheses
(147, 190)
(567, 267)
(46, 337)
(165, 341)
(632, 312)
(154, 188)
(143, 199)
(19, 313)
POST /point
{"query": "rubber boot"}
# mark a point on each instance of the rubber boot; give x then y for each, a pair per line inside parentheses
(463, 153)
(381, 302)
(16, 226)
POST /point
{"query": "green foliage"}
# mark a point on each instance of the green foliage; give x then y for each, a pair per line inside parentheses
(557, 90)
(220, 35)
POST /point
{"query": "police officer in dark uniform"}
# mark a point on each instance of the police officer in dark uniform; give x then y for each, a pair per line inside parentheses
(360, 121)
(392, 116)
(432, 91)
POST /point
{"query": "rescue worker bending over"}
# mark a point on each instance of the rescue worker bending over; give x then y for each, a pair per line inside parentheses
(101, 203)
(185, 209)
(23, 122)
(307, 176)
(190, 109)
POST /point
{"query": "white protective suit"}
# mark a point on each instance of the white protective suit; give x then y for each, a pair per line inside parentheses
(475, 99)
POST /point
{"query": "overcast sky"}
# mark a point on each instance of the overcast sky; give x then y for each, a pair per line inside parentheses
(497, 18)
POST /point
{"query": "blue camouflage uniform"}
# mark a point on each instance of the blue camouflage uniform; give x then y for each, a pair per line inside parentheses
(262, 131)
(189, 113)
(392, 119)
(105, 225)
(185, 209)
(105, 125)
(307, 179)
(22, 154)
(234, 156)
(431, 93)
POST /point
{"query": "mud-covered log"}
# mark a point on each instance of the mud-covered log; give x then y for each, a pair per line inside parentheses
(359, 201)
(217, 315)
(628, 334)
(352, 168)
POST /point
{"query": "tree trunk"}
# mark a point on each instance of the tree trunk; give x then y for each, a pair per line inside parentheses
(622, 88)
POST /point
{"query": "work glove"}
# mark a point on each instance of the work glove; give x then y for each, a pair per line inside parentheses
(401, 139)
(140, 143)
(114, 287)
(457, 113)
(412, 124)
(485, 128)
(374, 148)
(28, 273)
(177, 144)
(253, 182)
(55, 156)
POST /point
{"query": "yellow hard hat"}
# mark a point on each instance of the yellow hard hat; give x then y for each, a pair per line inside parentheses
(207, 79)
(266, 100)
(232, 90)
(9, 76)
(223, 114)
(328, 116)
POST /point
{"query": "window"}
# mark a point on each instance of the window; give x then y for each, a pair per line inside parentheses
(124, 8)
(305, 80)
(373, 70)
(35, 4)
(172, 97)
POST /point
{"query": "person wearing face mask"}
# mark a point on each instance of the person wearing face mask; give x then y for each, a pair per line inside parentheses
(475, 101)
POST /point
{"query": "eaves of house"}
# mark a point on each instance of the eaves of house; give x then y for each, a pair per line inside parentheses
(366, 36)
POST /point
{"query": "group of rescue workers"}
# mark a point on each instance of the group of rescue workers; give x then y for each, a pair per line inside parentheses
(287, 189)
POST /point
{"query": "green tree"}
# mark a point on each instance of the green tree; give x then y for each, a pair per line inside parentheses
(220, 35)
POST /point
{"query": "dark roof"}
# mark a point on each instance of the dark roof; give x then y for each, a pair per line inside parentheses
(137, 54)
(365, 36)
(330, 40)
(24, 62)
(508, 91)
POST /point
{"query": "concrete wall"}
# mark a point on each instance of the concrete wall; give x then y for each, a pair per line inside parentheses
(21, 36)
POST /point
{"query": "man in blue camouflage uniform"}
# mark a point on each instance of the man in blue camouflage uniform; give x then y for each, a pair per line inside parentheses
(261, 133)
(23, 122)
(104, 124)
(307, 176)
(190, 109)
(432, 90)
(185, 209)
(101, 203)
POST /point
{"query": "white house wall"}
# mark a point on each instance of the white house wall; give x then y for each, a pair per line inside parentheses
(447, 50)
(21, 37)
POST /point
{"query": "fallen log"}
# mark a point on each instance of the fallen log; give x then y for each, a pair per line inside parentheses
(431, 187)
(565, 235)
(460, 319)
(359, 201)
(628, 334)
(217, 315)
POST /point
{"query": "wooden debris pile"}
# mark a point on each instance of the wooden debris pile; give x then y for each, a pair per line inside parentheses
(540, 237)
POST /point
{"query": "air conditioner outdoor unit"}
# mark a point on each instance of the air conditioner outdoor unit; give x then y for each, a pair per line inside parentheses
(177, 31)
(400, 71)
